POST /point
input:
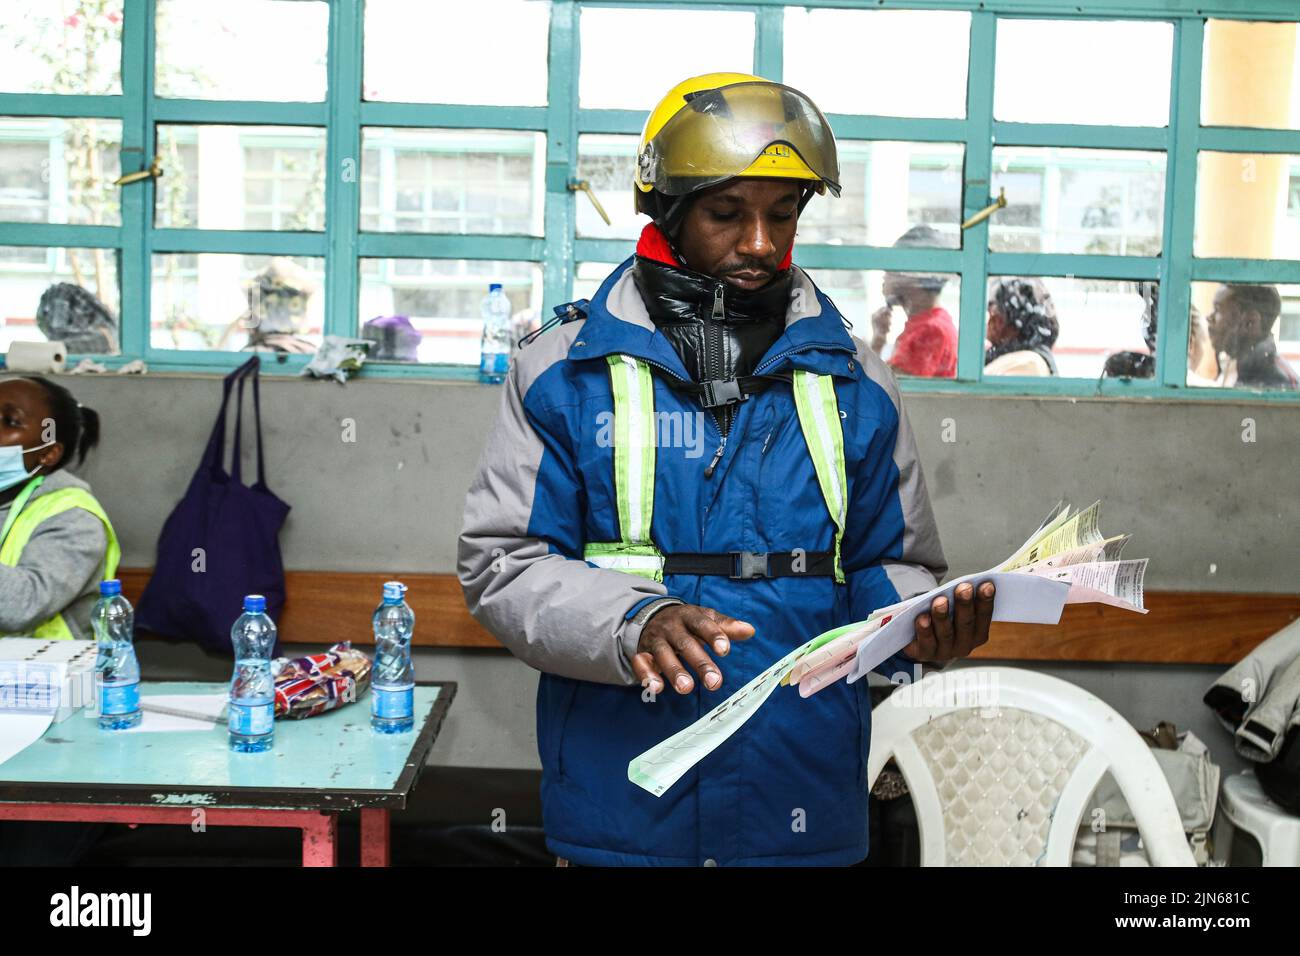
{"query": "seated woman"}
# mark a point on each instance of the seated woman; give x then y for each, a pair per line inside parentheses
(1022, 328)
(56, 542)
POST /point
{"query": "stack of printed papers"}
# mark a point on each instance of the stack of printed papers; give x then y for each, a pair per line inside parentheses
(1066, 561)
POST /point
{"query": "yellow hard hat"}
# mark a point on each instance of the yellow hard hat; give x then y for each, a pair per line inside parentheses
(718, 126)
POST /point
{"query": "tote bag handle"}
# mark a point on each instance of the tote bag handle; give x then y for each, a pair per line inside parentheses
(237, 453)
(214, 455)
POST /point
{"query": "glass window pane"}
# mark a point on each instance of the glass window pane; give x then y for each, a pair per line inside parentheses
(241, 177)
(1248, 205)
(1250, 75)
(242, 49)
(421, 53)
(60, 295)
(57, 46)
(607, 162)
(915, 314)
(229, 302)
(700, 41)
(453, 181)
(1127, 65)
(59, 170)
(873, 210)
(1077, 324)
(440, 299)
(903, 62)
(588, 276)
(1097, 201)
(1244, 336)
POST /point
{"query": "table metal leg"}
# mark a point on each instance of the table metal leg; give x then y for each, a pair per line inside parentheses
(375, 837)
(320, 840)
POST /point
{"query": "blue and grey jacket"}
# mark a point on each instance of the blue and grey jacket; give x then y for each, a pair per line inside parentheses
(790, 786)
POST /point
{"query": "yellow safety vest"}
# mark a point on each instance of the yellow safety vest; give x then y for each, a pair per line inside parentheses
(22, 523)
(634, 463)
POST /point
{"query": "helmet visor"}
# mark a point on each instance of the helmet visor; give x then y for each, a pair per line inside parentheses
(719, 133)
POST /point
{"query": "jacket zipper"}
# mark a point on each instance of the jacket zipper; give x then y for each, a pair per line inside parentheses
(713, 355)
(717, 456)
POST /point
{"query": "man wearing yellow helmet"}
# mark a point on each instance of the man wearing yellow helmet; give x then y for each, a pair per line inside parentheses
(702, 462)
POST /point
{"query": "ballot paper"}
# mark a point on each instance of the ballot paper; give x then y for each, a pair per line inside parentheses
(1020, 598)
(1067, 560)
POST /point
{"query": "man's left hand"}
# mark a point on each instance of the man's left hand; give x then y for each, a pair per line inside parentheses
(943, 634)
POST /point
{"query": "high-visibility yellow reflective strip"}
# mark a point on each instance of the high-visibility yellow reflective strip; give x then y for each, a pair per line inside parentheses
(634, 473)
(634, 446)
(819, 418)
(643, 560)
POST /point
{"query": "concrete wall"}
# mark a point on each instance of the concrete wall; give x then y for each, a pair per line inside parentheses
(1211, 511)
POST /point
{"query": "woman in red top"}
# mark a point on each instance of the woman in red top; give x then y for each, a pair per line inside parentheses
(927, 346)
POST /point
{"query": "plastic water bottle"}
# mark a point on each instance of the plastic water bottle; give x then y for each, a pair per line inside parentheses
(495, 359)
(116, 668)
(251, 716)
(392, 679)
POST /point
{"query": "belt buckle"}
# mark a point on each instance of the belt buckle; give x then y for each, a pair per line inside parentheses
(749, 565)
(718, 392)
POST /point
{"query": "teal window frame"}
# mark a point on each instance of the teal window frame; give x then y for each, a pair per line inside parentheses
(562, 121)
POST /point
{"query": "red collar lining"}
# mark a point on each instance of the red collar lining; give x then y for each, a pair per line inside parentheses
(653, 244)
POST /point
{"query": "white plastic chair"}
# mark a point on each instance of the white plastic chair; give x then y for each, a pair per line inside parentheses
(1001, 762)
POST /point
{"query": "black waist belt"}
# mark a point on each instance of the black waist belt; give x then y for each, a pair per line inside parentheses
(745, 565)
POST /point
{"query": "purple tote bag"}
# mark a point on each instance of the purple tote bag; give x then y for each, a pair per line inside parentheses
(221, 541)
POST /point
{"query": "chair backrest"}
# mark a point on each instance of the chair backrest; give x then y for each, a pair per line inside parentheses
(1001, 762)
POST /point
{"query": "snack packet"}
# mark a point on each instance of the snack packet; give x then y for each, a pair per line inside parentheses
(307, 686)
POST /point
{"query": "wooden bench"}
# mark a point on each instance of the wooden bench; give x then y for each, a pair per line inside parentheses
(1186, 627)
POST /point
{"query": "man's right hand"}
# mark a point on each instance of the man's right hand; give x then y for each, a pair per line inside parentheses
(682, 635)
(881, 320)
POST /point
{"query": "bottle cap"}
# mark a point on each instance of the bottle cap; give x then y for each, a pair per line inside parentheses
(254, 604)
(110, 588)
(394, 590)
(494, 286)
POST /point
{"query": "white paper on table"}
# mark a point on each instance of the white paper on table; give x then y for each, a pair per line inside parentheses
(151, 722)
(1019, 598)
(19, 731)
(207, 704)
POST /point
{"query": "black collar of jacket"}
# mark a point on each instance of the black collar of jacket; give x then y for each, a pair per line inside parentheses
(674, 294)
(714, 351)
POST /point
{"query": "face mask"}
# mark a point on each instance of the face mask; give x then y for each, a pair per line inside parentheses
(11, 465)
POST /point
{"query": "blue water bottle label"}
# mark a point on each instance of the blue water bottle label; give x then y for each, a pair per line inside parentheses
(251, 720)
(119, 699)
(393, 703)
(494, 363)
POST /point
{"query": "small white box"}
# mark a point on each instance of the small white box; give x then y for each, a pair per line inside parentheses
(47, 677)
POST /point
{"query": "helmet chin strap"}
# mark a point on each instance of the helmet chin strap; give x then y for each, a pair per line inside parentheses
(809, 190)
(670, 221)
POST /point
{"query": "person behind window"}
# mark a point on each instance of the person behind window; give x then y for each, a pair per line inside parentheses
(278, 300)
(1130, 364)
(1241, 328)
(927, 346)
(1022, 328)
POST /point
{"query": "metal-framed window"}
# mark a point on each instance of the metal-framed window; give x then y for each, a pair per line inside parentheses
(386, 223)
